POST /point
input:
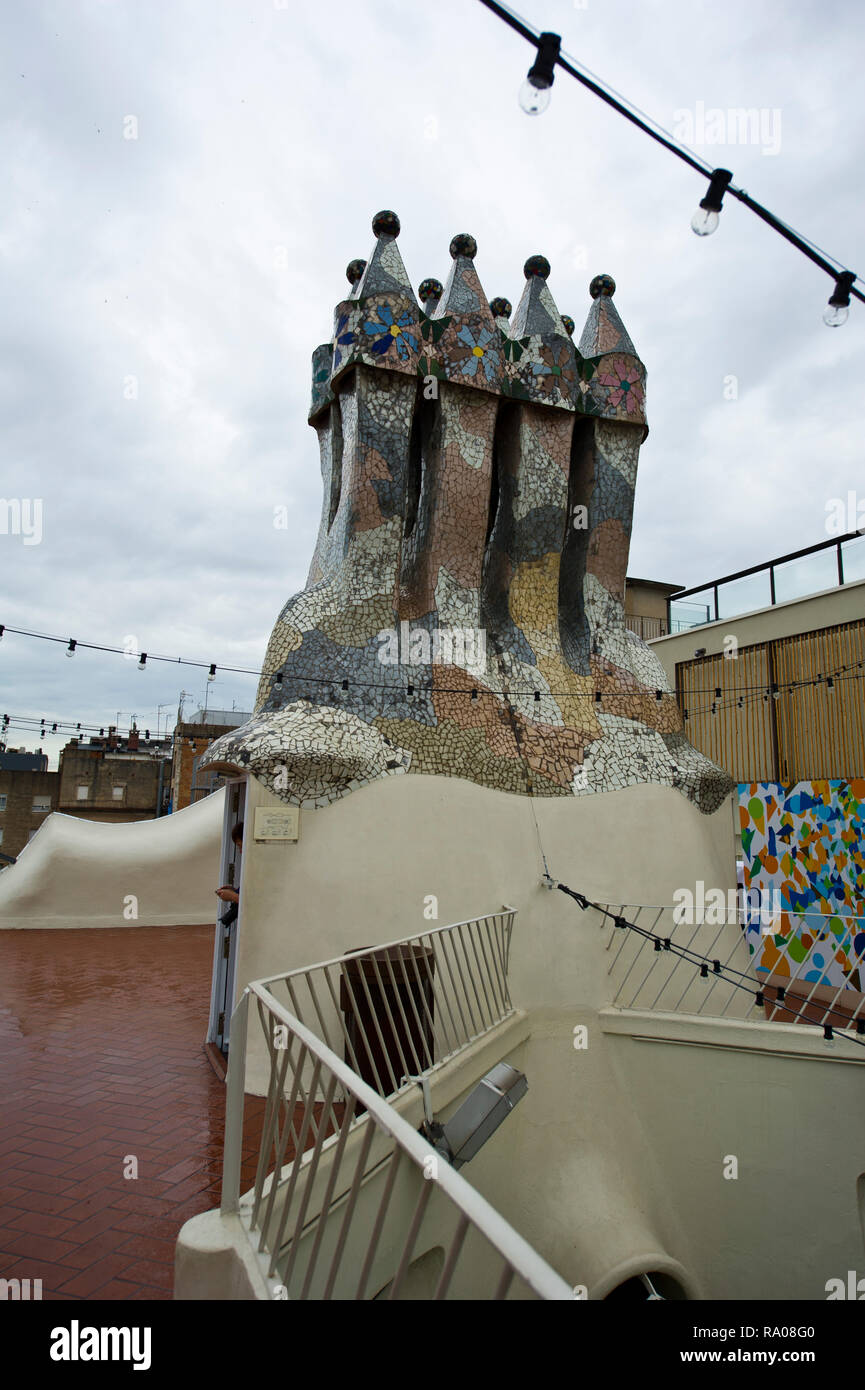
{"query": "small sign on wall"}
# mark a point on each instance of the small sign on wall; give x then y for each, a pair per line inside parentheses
(276, 823)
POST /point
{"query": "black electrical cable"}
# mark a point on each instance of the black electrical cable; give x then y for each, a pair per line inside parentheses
(598, 696)
(718, 971)
(801, 243)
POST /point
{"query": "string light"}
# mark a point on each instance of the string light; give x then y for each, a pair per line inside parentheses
(737, 978)
(705, 220)
(597, 696)
(837, 311)
(211, 675)
(70, 650)
(537, 89)
(34, 724)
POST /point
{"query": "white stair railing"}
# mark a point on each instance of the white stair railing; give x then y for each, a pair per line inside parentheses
(715, 968)
(352, 1202)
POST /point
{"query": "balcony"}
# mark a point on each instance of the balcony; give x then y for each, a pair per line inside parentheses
(827, 565)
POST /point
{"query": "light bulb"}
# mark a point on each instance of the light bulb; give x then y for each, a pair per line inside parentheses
(70, 651)
(835, 314)
(704, 222)
(534, 100)
(211, 675)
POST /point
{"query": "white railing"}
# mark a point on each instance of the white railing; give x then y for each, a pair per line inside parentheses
(717, 970)
(349, 1200)
(401, 1008)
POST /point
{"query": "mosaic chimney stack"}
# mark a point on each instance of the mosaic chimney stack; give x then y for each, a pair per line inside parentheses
(464, 610)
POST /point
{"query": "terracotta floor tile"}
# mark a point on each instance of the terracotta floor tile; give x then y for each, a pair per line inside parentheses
(91, 1226)
(151, 1272)
(184, 1169)
(40, 1223)
(38, 1148)
(160, 1228)
(40, 1247)
(114, 1289)
(189, 1187)
(102, 1042)
(146, 1294)
(32, 1182)
(148, 1248)
(53, 1203)
(48, 1167)
(88, 1282)
(95, 1250)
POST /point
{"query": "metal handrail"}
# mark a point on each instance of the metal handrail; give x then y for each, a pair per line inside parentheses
(768, 564)
(313, 1190)
(433, 994)
(646, 979)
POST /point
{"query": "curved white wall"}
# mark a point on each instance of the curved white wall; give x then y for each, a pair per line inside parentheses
(82, 873)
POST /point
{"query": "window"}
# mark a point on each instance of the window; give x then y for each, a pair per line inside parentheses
(117, 793)
(41, 804)
(1, 837)
(82, 793)
(3, 802)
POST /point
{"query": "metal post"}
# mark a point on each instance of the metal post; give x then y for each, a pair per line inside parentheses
(773, 718)
(234, 1091)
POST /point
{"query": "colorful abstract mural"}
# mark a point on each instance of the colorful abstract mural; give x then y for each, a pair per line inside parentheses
(807, 844)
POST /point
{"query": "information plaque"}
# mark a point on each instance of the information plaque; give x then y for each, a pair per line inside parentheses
(276, 823)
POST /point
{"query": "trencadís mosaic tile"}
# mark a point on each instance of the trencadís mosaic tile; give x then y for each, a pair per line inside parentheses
(464, 610)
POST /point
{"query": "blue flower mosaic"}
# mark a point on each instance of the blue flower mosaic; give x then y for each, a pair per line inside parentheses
(389, 329)
(478, 353)
(342, 340)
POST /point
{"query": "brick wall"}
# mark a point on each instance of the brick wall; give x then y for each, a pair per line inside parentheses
(100, 771)
(18, 819)
(190, 741)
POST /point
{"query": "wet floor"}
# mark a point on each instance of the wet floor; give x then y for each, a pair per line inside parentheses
(111, 1117)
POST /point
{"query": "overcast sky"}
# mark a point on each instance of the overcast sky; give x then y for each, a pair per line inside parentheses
(162, 294)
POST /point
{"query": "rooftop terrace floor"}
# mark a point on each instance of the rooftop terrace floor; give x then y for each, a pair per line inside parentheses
(101, 1035)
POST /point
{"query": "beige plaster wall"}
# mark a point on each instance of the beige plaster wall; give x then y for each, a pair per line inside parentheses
(613, 1163)
(364, 866)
